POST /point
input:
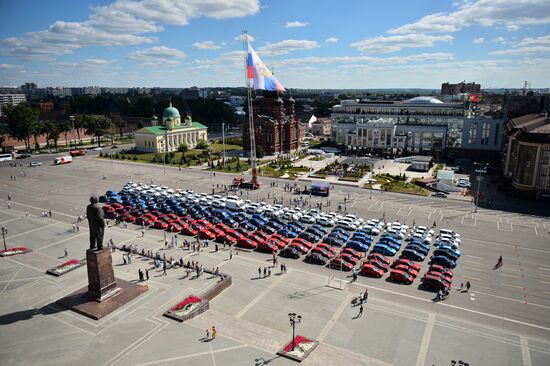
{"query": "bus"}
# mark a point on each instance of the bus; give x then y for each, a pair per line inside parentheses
(6, 157)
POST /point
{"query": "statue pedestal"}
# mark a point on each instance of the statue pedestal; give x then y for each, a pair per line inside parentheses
(104, 293)
(101, 276)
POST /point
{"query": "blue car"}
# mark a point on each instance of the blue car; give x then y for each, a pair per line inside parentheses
(447, 253)
(259, 218)
(334, 240)
(455, 252)
(387, 238)
(355, 245)
(391, 244)
(321, 228)
(362, 239)
(443, 261)
(384, 250)
(418, 248)
(248, 226)
(412, 255)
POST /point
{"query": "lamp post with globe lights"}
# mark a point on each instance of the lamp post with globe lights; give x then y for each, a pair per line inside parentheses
(294, 318)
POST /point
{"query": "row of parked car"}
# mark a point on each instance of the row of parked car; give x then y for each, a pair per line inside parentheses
(342, 242)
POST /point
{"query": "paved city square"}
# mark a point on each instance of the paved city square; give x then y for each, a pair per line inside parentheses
(503, 319)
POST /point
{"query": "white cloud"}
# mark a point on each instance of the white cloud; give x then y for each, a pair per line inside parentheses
(396, 43)
(286, 46)
(208, 45)
(331, 40)
(484, 13)
(120, 23)
(479, 40)
(527, 46)
(84, 64)
(157, 56)
(296, 24)
(512, 27)
(500, 40)
(241, 38)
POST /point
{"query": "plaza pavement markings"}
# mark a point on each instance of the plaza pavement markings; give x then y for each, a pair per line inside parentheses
(83, 232)
(545, 282)
(461, 308)
(510, 246)
(513, 286)
(473, 269)
(423, 352)
(33, 230)
(474, 263)
(204, 353)
(509, 275)
(10, 220)
(13, 277)
(212, 353)
(544, 269)
(259, 297)
(525, 353)
(333, 318)
(41, 209)
(472, 278)
(474, 256)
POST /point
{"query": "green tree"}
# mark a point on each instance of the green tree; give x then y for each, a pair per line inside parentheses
(64, 128)
(201, 144)
(119, 123)
(183, 148)
(78, 123)
(21, 122)
(97, 125)
(260, 152)
(52, 133)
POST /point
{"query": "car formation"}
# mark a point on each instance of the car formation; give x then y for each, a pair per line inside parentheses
(342, 242)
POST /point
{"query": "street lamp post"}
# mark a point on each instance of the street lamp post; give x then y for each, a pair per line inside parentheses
(4, 232)
(293, 320)
(482, 169)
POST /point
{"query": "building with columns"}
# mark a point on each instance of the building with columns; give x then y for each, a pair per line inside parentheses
(419, 125)
(172, 133)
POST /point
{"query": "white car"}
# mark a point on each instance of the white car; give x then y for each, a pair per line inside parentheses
(347, 225)
(395, 233)
(325, 221)
(35, 163)
(218, 204)
(308, 219)
(99, 148)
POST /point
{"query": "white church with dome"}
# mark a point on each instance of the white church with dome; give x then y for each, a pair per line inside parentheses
(172, 133)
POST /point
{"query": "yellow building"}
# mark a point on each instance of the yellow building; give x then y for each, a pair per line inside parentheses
(170, 134)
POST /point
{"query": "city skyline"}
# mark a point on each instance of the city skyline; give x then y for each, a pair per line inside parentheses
(308, 44)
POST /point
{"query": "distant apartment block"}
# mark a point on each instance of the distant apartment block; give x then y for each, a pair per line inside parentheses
(11, 99)
(460, 88)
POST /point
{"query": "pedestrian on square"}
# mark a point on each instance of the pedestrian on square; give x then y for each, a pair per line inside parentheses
(265, 272)
(140, 273)
(147, 274)
(213, 332)
(9, 205)
(26, 213)
(259, 272)
(230, 253)
(129, 259)
(66, 253)
(50, 212)
(207, 333)
(468, 286)
(164, 268)
(269, 272)
(142, 233)
(9, 197)
(461, 286)
(360, 311)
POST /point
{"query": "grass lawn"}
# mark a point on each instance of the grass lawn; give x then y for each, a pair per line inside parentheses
(403, 187)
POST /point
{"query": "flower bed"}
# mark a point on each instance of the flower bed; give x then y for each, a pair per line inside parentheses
(190, 307)
(302, 348)
(66, 267)
(13, 251)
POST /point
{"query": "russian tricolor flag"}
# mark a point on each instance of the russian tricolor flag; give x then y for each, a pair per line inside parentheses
(257, 70)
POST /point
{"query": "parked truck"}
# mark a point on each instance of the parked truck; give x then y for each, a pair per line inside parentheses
(63, 160)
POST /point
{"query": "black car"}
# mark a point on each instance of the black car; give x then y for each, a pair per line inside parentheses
(316, 258)
(290, 252)
(309, 237)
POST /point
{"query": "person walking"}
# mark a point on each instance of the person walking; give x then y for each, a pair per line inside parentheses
(259, 272)
(66, 253)
(468, 286)
(164, 268)
(207, 333)
(140, 274)
(461, 286)
(147, 274)
(142, 233)
(360, 311)
(9, 205)
(50, 213)
(213, 332)
(230, 253)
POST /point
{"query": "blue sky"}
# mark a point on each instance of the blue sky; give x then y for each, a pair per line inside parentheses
(308, 43)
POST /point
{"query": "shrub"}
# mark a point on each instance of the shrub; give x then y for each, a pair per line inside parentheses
(201, 145)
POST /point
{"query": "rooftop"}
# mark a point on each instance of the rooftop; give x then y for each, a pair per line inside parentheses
(161, 130)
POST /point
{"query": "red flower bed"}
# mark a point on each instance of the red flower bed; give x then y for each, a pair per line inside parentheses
(71, 262)
(189, 300)
(13, 249)
(297, 341)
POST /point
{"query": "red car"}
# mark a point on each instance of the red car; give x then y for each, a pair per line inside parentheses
(339, 262)
(327, 247)
(127, 218)
(401, 277)
(247, 243)
(207, 234)
(440, 275)
(255, 237)
(121, 210)
(303, 242)
(322, 251)
(261, 234)
(372, 270)
(188, 230)
(242, 231)
(378, 257)
(352, 252)
(406, 262)
(144, 220)
(382, 265)
(116, 205)
(299, 247)
(232, 237)
(267, 246)
(174, 227)
(349, 258)
(435, 282)
(159, 224)
(402, 267)
(444, 270)
(223, 227)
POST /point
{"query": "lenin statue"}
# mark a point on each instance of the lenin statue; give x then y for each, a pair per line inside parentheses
(96, 223)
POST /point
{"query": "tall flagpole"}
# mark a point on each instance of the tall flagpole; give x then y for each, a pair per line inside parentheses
(252, 131)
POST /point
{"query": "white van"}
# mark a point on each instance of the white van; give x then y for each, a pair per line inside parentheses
(234, 204)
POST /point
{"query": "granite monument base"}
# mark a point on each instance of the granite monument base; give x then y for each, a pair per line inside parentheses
(104, 293)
